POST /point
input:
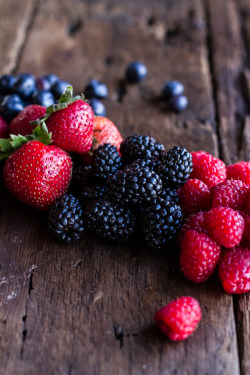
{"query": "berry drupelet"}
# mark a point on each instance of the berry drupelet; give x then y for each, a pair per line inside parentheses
(93, 193)
(81, 175)
(175, 167)
(106, 161)
(109, 221)
(65, 219)
(140, 147)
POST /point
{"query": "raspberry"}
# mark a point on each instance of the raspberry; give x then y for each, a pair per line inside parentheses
(194, 196)
(224, 225)
(229, 193)
(199, 256)
(179, 318)
(195, 222)
(208, 168)
(239, 171)
(246, 235)
(234, 270)
(246, 203)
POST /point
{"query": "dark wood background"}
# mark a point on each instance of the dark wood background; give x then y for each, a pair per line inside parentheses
(88, 308)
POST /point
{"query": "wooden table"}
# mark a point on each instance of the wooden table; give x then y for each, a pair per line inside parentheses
(88, 308)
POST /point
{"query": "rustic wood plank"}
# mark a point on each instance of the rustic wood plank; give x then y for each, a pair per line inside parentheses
(243, 326)
(15, 20)
(88, 308)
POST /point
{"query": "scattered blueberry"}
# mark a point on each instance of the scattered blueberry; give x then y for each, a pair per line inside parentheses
(43, 97)
(10, 107)
(136, 71)
(178, 103)
(52, 78)
(59, 87)
(24, 86)
(172, 88)
(6, 83)
(98, 107)
(43, 84)
(96, 89)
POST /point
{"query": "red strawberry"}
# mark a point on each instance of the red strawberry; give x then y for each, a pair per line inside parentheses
(21, 123)
(3, 128)
(35, 173)
(71, 123)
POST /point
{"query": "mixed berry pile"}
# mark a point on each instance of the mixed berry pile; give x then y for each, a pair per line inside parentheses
(76, 166)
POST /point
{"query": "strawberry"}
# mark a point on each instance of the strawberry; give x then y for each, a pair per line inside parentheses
(3, 128)
(35, 172)
(71, 123)
(105, 131)
(21, 123)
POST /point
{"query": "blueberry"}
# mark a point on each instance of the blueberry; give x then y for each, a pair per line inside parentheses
(135, 72)
(59, 87)
(172, 88)
(43, 97)
(178, 103)
(26, 75)
(97, 107)
(43, 84)
(11, 106)
(52, 78)
(96, 89)
(24, 86)
(6, 83)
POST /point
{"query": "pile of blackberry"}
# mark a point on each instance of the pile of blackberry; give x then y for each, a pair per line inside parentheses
(135, 189)
(19, 91)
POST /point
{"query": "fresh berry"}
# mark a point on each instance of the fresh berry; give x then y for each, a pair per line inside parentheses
(245, 242)
(239, 171)
(24, 86)
(43, 97)
(179, 318)
(136, 72)
(98, 107)
(21, 123)
(65, 221)
(80, 177)
(52, 78)
(140, 147)
(208, 168)
(43, 84)
(109, 221)
(194, 222)
(175, 166)
(6, 83)
(71, 123)
(11, 105)
(178, 103)
(133, 186)
(93, 193)
(59, 87)
(229, 193)
(194, 196)
(160, 222)
(246, 203)
(105, 131)
(172, 88)
(106, 161)
(96, 89)
(224, 225)
(4, 129)
(25, 75)
(234, 270)
(199, 256)
(35, 173)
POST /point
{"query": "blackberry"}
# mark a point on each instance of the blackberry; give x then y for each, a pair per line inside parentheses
(106, 161)
(65, 219)
(93, 192)
(140, 147)
(142, 163)
(81, 175)
(161, 222)
(133, 186)
(109, 221)
(175, 167)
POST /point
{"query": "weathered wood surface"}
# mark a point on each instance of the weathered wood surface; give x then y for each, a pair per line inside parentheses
(88, 308)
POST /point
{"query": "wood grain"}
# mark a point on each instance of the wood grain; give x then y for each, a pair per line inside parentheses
(88, 308)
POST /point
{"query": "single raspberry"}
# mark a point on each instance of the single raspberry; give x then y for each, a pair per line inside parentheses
(194, 196)
(239, 171)
(224, 225)
(245, 242)
(246, 204)
(179, 318)
(234, 270)
(229, 193)
(199, 256)
(208, 168)
(195, 222)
